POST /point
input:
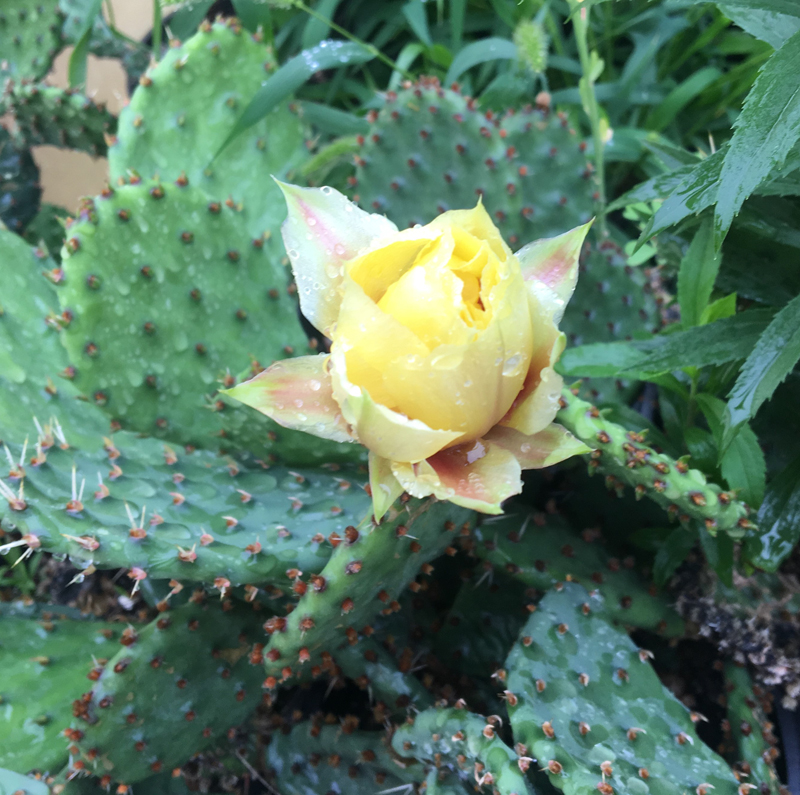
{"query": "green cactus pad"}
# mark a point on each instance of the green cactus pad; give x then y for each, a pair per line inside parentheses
(374, 669)
(50, 658)
(431, 149)
(59, 117)
(30, 37)
(31, 355)
(627, 460)
(364, 576)
(12, 783)
(288, 515)
(19, 183)
(193, 517)
(464, 741)
(586, 703)
(314, 760)
(613, 301)
(175, 687)
(483, 623)
(183, 111)
(541, 550)
(748, 725)
(168, 292)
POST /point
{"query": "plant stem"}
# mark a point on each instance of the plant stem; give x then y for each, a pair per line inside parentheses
(580, 22)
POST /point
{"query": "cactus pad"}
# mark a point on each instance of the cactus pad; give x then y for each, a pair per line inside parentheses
(166, 515)
(30, 37)
(365, 575)
(169, 293)
(59, 117)
(626, 459)
(755, 751)
(50, 658)
(542, 550)
(314, 760)
(173, 688)
(184, 109)
(430, 149)
(468, 743)
(613, 301)
(585, 702)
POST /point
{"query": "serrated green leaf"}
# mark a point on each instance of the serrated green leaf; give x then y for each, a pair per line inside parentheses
(775, 6)
(768, 25)
(779, 520)
(697, 275)
(719, 309)
(726, 340)
(696, 191)
(599, 360)
(765, 131)
(771, 360)
(723, 341)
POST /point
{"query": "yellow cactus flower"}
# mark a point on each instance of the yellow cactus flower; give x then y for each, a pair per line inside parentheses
(443, 343)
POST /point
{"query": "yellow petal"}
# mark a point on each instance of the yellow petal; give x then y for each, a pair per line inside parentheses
(427, 299)
(469, 387)
(477, 475)
(387, 260)
(383, 484)
(296, 393)
(322, 231)
(385, 432)
(478, 224)
(369, 340)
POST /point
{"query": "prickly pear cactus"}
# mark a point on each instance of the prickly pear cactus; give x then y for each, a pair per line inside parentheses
(613, 301)
(431, 149)
(167, 294)
(137, 503)
(184, 109)
(59, 117)
(747, 726)
(30, 37)
(368, 570)
(51, 658)
(315, 759)
(627, 460)
(542, 550)
(173, 687)
(468, 744)
(586, 703)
